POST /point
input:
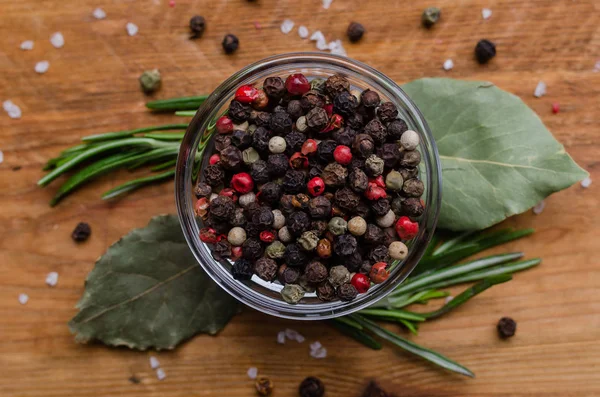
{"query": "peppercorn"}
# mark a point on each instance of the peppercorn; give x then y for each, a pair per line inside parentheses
(197, 26)
(241, 139)
(315, 272)
(298, 222)
(287, 275)
(361, 283)
(300, 201)
(379, 273)
(409, 140)
(363, 145)
(317, 119)
(308, 240)
(410, 159)
(365, 267)
(201, 207)
(246, 93)
(242, 269)
(324, 248)
(284, 235)
(406, 228)
(398, 250)
(345, 103)
(338, 275)
(319, 207)
(334, 174)
(262, 218)
(261, 119)
(319, 227)
(326, 292)
(346, 198)
(315, 172)
(396, 128)
(355, 31)
(357, 226)
(409, 172)
(267, 236)
(347, 292)
(285, 204)
(369, 99)
(373, 235)
(379, 253)
(264, 386)
(277, 164)
(297, 84)
(231, 158)
(345, 244)
(387, 219)
(230, 43)
(292, 293)
(294, 255)
(412, 207)
(430, 16)
(390, 154)
(381, 207)
(394, 181)
(387, 112)
(221, 250)
(202, 189)
(150, 81)
(238, 218)
(413, 188)
(352, 262)
(336, 84)
(81, 232)
(506, 327)
(259, 171)
(281, 123)
(312, 99)
(275, 250)
(358, 180)
(236, 236)
(325, 150)
(355, 121)
(344, 136)
(294, 141)
(261, 101)
(274, 87)
(214, 175)
(484, 51)
(238, 112)
(374, 165)
(270, 193)
(337, 225)
(265, 268)
(222, 208)
(294, 181)
(294, 109)
(222, 141)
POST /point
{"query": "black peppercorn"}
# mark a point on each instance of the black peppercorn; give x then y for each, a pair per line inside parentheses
(409, 172)
(412, 207)
(319, 207)
(355, 31)
(81, 232)
(220, 225)
(265, 268)
(197, 26)
(274, 87)
(315, 171)
(410, 159)
(238, 218)
(241, 139)
(373, 235)
(252, 249)
(294, 181)
(301, 201)
(222, 208)
(214, 175)
(390, 153)
(362, 209)
(263, 218)
(239, 112)
(242, 269)
(270, 193)
(334, 175)
(336, 84)
(506, 327)
(259, 171)
(363, 145)
(278, 164)
(294, 109)
(294, 255)
(352, 261)
(413, 188)
(222, 141)
(396, 128)
(281, 123)
(345, 103)
(261, 119)
(347, 292)
(251, 209)
(317, 119)
(370, 99)
(285, 204)
(319, 227)
(346, 199)
(344, 245)
(484, 51)
(202, 189)
(298, 222)
(380, 207)
(230, 43)
(325, 150)
(311, 387)
(231, 158)
(387, 112)
(312, 99)
(293, 142)
(326, 292)
(357, 162)
(379, 254)
(287, 274)
(315, 272)
(344, 136)
(376, 130)
(221, 249)
(260, 139)
(365, 267)
(355, 121)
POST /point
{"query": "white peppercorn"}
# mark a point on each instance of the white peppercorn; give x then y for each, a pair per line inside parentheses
(387, 220)
(398, 250)
(308, 240)
(275, 250)
(277, 145)
(374, 165)
(409, 140)
(338, 275)
(357, 226)
(292, 293)
(301, 124)
(241, 127)
(236, 236)
(394, 181)
(278, 219)
(337, 225)
(284, 235)
(246, 199)
(213, 196)
(250, 156)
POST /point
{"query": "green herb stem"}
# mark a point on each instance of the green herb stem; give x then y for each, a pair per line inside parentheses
(419, 297)
(137, 183)
(412, 327)
(355, 333)
(451, 243)
(129, 133)
(173, 136)
(185, 113)
(163, 166)
(173, 104)
(392, 314)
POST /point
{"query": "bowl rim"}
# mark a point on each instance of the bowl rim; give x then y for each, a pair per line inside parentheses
(261, 302)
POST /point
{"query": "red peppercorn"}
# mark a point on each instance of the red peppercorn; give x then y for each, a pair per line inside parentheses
(209, 235)
(378, 181)
(297, 84)
(201, 207)
(267, 236)
(246, 94)
(375, 192)
(242, 182)
(379, 273)
(214, 159)
(309, 147)
(236, 253)
(316, 186)
(361, 282)
(329, 109)
(224, 125)
(555, 107)
(335, 122)
(229, 192)
(298, 161)
(406, 228)
(261, 101)
(343, 155)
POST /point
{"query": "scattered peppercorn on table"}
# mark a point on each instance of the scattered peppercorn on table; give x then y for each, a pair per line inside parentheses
(91, 86)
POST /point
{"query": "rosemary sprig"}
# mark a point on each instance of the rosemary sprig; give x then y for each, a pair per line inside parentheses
(174, 104)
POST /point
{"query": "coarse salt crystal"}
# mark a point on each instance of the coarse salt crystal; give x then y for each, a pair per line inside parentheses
(338, 48)
(160, 374)
(42, 67)
(13, 111)
(8, 105)
(281, 337)
(252, 372)
(154, 363)
(132, 28)
(317, 36)
(539, 207)
(486, 13)
(322, 44)
(99, 13)
(23, 298)
(1, 157)
(327, 4)
(586, 182)
(300, 338)
(448, 64)
(57, 40)
(315, 345)
(287, 26)
(597, 66)
(319, 353)
(27, 45)
(294, 335)
(448, 299)
(303, 32)
(540, 90)
(52, 279)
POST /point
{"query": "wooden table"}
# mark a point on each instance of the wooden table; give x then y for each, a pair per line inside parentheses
(92, 87)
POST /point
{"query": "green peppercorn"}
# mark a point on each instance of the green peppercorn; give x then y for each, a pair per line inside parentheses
(308, 240)
(374, 165)
(292, 293)
(337, 225)
(150, 81)
(394, 181)
(275, 250)
(430, 16)
(338, 275)
(250, 156)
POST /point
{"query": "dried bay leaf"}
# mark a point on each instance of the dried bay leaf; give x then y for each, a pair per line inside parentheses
(498, 159)
(148, 291)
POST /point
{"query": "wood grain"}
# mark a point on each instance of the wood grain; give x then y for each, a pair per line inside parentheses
(92, 87)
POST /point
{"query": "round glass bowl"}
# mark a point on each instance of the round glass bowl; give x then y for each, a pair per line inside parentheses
(197, 146)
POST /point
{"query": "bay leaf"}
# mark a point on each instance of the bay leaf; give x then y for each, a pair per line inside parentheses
(148, 291)
(498, 159)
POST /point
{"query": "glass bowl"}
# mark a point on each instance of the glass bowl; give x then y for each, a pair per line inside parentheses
(257, 293)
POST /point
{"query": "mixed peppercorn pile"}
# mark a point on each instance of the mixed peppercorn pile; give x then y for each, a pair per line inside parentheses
(312, 184)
